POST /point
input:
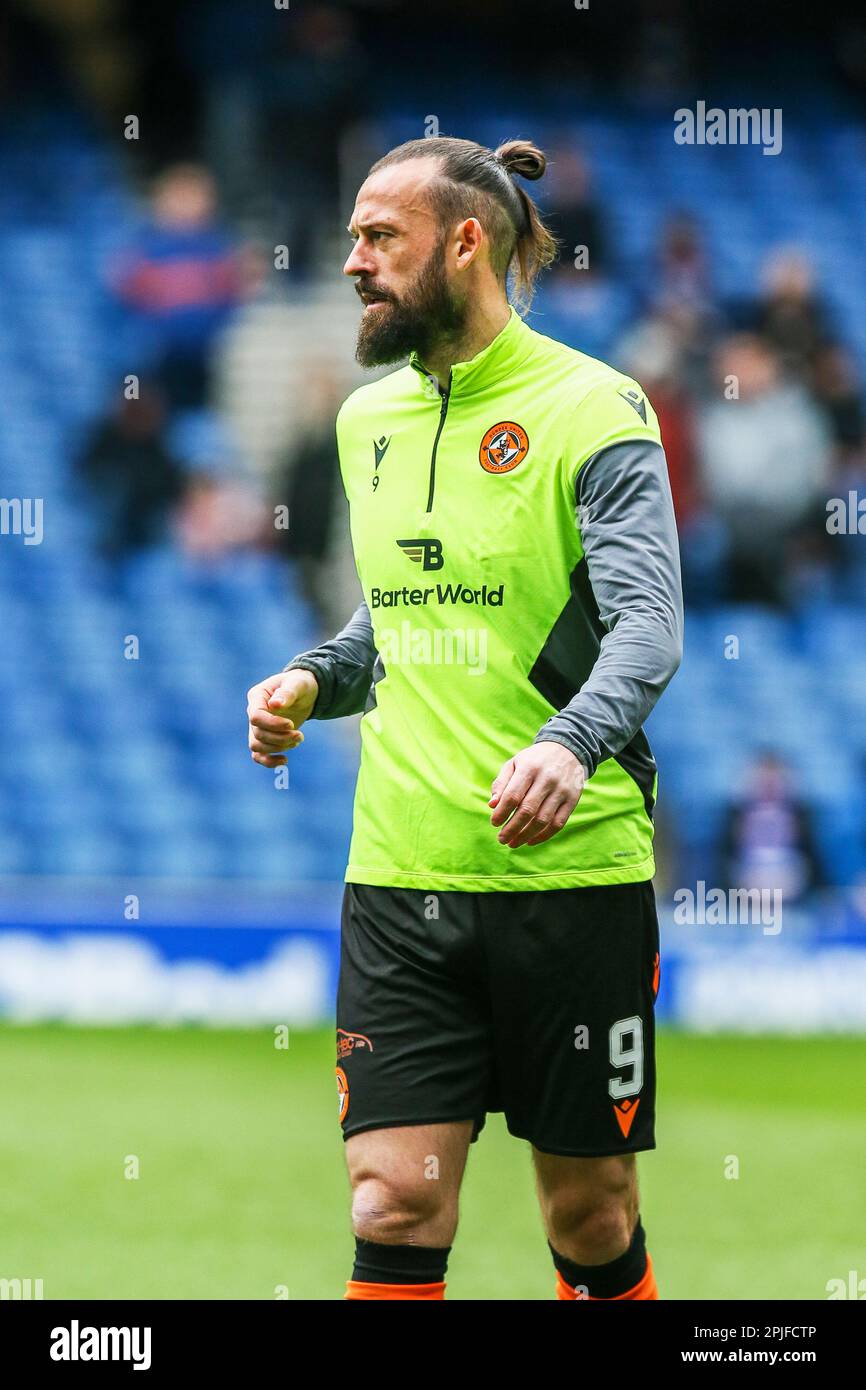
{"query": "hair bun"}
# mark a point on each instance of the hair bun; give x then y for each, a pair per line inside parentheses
(523, 158)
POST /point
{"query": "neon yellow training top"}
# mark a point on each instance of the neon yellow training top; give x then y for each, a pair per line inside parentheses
(489, 606)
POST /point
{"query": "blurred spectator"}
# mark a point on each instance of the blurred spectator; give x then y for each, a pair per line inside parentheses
(574, 214)
(768, 840)
(682, 275)
(221, 508)
(311, 89)
(764, 456)
(217, 516)
(790, 314)
(680, 292)
(839, 395)
(838, 392)
(227, 46)
(184, 275)
(307, 482)
(134, 477)
(578, 302)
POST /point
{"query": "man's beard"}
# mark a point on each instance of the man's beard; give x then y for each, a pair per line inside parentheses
(425, 315)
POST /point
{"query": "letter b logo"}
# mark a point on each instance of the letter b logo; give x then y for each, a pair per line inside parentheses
(427, 551)
(433, 555)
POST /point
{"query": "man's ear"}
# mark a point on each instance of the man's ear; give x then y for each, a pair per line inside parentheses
(470, 239)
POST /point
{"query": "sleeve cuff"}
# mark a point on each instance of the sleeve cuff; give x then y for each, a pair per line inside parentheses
(550, 736)
(321, 674)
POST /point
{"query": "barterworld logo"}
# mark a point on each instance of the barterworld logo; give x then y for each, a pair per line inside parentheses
(450, 646)
(737, 126)
(425, 549)
(487, 595)
(76, 1343)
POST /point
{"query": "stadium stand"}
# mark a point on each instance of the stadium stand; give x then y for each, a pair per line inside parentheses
(121, 786)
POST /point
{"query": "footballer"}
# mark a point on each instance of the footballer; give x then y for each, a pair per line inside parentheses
(499, 938)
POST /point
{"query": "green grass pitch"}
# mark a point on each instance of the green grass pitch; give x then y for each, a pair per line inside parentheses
(241, 1187)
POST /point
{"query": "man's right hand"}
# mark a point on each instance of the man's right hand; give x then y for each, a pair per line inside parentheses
(276, 709)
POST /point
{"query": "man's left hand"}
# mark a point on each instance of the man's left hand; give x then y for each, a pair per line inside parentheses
(541, 785)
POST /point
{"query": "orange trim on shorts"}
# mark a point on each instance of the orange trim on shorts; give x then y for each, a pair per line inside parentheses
(356, 1289)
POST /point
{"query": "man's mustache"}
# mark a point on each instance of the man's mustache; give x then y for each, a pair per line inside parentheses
(361, 289)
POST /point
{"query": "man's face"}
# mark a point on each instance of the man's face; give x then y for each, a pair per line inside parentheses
(399, 261)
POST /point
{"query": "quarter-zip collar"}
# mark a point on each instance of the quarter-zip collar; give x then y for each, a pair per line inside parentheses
(493, 363)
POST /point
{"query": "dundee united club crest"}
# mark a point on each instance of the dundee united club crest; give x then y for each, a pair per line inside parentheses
(503, 447)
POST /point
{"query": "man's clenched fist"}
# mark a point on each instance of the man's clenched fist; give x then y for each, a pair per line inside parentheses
(276, 709)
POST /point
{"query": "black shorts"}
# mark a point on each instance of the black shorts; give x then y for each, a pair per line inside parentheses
(539, 1004)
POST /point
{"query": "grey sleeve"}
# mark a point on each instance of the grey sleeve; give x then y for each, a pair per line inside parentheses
(343, 667)
(626, 517)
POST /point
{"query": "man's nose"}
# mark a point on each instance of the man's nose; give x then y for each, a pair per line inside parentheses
(359, 261)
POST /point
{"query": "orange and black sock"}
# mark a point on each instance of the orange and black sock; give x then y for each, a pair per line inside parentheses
(397, 1271)
(629, 1276)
